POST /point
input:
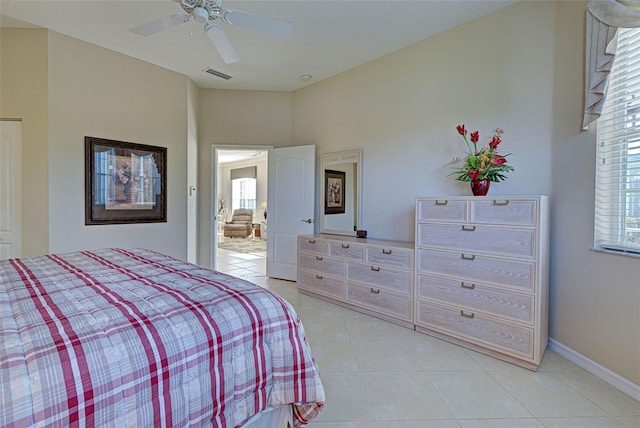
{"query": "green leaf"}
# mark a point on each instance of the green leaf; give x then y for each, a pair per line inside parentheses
(473, 161)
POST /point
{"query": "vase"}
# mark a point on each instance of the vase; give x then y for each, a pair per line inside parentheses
(480, 187)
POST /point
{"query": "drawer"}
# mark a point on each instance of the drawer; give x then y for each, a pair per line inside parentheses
(441, 210)
(346, 250)
(476, 328)
(477, 297)
(391, 257)
(478, 239)
(317, 283)
(321, 264)
(382, 277)
(312, 245)
(469, 267)
(380, 300)
(505, 212)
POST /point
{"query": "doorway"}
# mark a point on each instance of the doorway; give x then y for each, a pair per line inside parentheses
(239, 182)
(291, 194)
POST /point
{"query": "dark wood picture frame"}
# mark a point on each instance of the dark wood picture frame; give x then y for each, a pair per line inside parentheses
(124, 182)
(334, 182)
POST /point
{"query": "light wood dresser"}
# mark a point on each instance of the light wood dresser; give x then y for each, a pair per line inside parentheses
(482, 274)
(368, 275)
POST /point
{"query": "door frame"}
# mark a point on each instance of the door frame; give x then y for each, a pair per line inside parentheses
(213, 238)
(15, 192)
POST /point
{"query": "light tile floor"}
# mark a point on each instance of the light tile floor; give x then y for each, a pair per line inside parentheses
(379, 375)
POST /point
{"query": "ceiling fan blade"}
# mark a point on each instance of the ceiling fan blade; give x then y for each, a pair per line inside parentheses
(259, 23)
(158, 25)
(222, 43)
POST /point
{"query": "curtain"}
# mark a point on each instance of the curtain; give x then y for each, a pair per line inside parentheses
(604, 17)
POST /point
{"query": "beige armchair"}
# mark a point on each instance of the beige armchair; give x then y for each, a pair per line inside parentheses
(240, 224)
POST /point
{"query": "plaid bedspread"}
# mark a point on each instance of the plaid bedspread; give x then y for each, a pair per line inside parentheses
(133, 338)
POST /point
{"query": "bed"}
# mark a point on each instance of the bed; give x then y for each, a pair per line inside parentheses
(134, 338)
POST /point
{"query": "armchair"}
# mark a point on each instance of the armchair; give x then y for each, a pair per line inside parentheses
(240, 224)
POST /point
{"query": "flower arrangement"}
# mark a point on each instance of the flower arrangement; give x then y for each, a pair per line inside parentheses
(480, 164)
(123, 170)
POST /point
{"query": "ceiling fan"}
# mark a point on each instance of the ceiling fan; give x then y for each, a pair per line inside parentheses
(207, 12)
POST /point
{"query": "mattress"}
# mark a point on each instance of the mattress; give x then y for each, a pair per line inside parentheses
(134, 338)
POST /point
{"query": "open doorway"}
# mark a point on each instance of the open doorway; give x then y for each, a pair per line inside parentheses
(291, 201)
(239, 187)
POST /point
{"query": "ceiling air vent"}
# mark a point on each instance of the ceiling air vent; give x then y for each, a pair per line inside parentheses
(217, 73)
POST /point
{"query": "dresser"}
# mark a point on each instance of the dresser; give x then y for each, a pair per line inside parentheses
(482, 274)
(368, 275)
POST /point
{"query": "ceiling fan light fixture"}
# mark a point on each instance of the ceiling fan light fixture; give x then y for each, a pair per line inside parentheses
(206, 12)
(201, 15)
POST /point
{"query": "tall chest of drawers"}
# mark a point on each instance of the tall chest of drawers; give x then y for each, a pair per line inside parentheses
(482, 274)
(368, 275)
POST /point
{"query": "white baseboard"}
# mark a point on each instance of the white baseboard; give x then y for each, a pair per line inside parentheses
(614, 379)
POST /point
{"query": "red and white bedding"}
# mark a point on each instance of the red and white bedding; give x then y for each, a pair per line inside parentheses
(133, 338)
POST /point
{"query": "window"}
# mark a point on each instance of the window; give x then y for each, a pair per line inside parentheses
(617, 216)
(243, 193)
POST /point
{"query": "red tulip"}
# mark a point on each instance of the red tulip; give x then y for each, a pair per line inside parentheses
(475, 136)
(498, 159)
(461, 130)
(474, 175)
(495, 141)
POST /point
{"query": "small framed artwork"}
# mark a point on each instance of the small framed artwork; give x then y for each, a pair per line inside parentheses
(124, 182)
(334, 192)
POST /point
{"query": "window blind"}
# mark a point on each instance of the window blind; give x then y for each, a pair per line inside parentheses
(617, 213)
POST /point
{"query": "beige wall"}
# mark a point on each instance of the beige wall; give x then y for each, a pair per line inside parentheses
(402, 111)
(519, 69)
(254, 118)
(100, 93)
(65, 89)
(595, 297)
(23, 94)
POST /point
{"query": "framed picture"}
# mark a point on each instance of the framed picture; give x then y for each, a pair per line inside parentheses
(124, 182)
(334, 191)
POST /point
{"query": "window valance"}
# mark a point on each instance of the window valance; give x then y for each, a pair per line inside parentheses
(604, 17)
(247, 172)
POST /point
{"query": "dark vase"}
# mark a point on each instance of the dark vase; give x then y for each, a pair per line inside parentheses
(480, 187)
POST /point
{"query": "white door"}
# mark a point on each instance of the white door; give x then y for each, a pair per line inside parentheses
(10, 202)
(291, 197)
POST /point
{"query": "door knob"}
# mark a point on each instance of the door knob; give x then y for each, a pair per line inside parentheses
(308, 221)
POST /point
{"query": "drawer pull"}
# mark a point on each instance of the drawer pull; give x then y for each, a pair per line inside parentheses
(375, 291)
(445, 202)
(471, 257)
(345, 245)
(462, 313)
(376, 269)
(468, 228)
(386, 251)
(503, 203)
(312, 241)
(319, 277)
(319, 258)
(468, 287)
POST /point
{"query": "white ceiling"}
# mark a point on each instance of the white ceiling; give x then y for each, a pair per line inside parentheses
(229, 156)
(329, 37)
